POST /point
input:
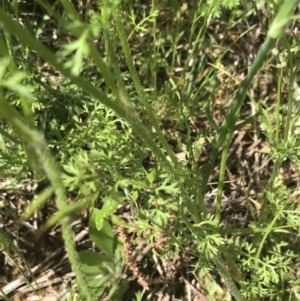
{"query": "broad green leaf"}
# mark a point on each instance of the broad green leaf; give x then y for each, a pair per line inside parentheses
(105, 239)
(151, 176)
(118, 290)
(92, 263)
(93, 268)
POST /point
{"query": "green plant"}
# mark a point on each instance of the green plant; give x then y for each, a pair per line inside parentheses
(104, 272)
(215, 7)
(101, 129)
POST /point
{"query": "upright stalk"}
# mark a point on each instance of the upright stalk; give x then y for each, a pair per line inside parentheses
(35, 142)
(138, 86)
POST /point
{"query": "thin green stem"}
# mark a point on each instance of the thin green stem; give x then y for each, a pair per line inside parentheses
(232, 115)
(278, 106)
(227, 279)
(222, 176)
(35, 142)
(291, 88)
(138, 86)
(225, 132)
(268, 230)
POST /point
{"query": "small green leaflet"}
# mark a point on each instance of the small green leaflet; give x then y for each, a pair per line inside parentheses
(107, 210)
